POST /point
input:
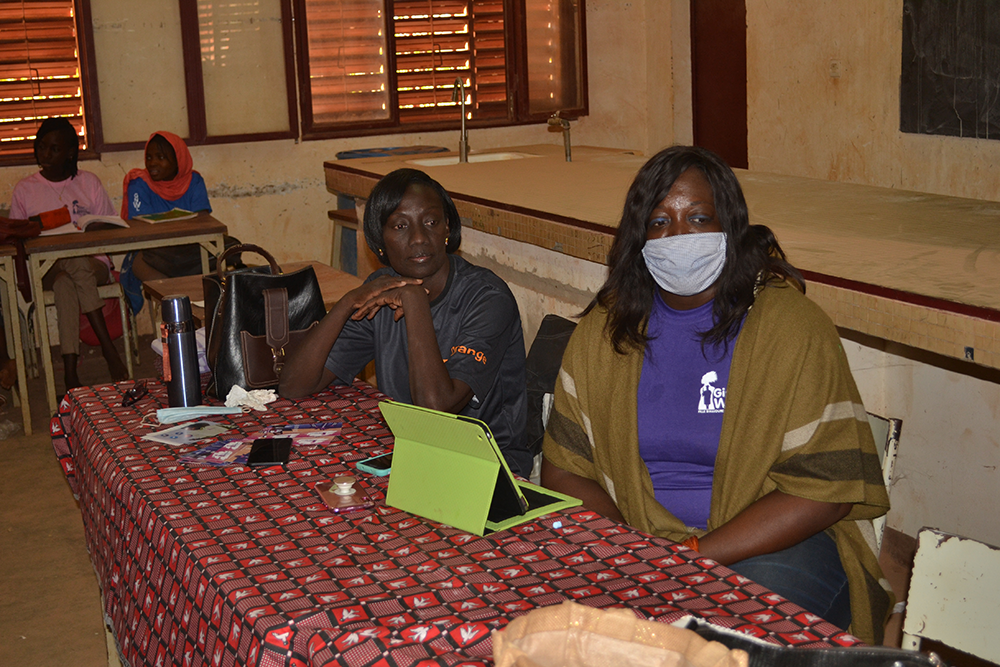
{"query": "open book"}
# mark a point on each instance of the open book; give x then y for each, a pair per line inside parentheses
(170, 216)
(85, 222)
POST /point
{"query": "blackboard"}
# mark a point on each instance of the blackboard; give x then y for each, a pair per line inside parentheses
(950, 82)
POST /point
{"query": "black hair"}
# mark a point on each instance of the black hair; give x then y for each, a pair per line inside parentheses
(60, 124)
(753, 256)
(385, 198)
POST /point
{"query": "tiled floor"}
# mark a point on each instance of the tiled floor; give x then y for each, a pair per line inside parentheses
(50, 607)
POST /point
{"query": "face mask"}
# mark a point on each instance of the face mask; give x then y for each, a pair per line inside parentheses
(174, 415)
(686, 264)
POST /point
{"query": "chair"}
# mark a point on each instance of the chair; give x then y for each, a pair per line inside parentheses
(541, 369)
(886, 433)
(953, 594)
(130, 331)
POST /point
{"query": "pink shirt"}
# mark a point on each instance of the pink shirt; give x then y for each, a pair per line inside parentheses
(82, 195)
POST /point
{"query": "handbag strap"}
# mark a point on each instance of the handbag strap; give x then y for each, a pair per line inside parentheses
(220, 265)
(276, 325)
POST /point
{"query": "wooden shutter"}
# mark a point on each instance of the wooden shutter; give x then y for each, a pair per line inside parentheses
(347, 63)
(39, 71)
(438, 41)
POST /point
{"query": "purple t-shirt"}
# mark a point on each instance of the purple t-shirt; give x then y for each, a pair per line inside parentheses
(681, 398)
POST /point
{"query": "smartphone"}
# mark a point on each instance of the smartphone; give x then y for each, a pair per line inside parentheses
(377, 465)
(269, 451)
(343, 495)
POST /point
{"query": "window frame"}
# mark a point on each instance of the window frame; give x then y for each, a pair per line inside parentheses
(194, 86)
(295, 38)
(515, 37)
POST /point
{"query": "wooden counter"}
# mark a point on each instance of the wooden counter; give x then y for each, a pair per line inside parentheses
(914, 268)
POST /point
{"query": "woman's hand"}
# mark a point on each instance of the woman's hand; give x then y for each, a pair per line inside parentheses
(384, 291)
(773, 523)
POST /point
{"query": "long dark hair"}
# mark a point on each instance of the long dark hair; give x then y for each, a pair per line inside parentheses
(60, 124)
(385, 198)
(753, 256)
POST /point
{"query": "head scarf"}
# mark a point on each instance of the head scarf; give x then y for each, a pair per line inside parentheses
(170, 190)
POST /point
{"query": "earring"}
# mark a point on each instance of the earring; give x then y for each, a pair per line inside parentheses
(446, 239)
(380, 252)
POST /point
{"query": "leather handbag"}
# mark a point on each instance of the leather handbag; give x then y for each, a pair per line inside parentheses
(256, 316)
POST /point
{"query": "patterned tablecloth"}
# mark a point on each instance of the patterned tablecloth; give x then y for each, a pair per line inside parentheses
(239, 566)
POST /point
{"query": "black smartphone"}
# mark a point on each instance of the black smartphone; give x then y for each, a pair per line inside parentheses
(269, 451)
(377, 465)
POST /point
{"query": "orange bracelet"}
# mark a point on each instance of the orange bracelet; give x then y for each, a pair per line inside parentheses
(691, 542)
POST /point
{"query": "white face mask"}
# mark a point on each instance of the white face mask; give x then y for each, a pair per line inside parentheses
(686, 264)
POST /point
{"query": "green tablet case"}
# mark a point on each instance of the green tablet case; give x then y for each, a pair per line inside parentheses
(449, 469)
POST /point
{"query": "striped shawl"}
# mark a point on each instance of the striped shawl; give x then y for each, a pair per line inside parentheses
(793, 421)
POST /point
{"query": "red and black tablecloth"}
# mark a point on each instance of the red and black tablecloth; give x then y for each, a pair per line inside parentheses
(239, 566)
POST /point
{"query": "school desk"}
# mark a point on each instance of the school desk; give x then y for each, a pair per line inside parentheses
(12, 327)
(45, 251)
(333, 284)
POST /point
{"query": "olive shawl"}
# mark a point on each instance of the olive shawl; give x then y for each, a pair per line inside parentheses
(793, 421)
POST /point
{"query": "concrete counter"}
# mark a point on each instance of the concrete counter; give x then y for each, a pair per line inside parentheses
(912, 268)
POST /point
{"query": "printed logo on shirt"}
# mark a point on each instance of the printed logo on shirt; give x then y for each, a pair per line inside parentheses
(135, 201)
(712, 398)
(461, 349)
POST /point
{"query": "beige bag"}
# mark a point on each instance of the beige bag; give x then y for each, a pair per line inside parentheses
(574, 635)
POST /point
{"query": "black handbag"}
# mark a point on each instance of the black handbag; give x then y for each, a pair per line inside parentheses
(256, 317)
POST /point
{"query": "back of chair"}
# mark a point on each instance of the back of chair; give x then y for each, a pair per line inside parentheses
(953, 595)
(542, 370)
(886, 433)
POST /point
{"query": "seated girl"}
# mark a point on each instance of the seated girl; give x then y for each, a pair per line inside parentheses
(167, 182)
(444, 334)
(703, 398)
(74, 281)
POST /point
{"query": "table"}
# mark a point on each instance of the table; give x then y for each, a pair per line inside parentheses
(245, 566)
(12, 326)
(333, 284)
(44, 251)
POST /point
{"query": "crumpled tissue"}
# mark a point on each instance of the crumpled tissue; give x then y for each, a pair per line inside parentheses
(255, 398)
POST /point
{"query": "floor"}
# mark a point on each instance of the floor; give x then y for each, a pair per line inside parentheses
(50, 605)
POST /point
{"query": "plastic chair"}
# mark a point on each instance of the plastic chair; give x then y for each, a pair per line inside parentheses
(111, 292)
(886, 433)
(953, 594)
(541, 370)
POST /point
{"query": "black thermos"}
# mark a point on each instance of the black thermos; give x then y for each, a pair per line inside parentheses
(180, 353)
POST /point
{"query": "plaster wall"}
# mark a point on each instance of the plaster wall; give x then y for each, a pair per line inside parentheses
(823, 102)
(947, 469)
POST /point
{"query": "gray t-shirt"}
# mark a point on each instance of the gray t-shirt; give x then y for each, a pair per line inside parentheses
(478, 329)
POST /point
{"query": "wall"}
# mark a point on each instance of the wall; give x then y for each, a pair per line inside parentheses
(823, 102)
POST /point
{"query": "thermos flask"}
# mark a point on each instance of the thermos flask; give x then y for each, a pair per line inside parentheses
(180, 353)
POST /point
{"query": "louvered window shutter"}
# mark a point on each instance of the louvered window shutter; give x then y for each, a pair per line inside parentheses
(39, 71)
(438, 41)
(348, 67)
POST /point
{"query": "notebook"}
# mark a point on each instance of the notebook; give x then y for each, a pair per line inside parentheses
(448, 468)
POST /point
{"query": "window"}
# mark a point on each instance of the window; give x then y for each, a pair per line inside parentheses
(216, 72)
(377, 66)
(40, 73)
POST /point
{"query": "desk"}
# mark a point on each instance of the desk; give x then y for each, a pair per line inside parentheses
(333, 284)
(12, 327)
(44, 251)
(241, 566)
(878, 260)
